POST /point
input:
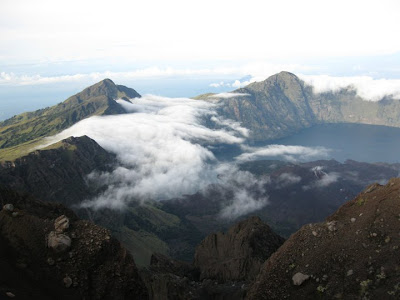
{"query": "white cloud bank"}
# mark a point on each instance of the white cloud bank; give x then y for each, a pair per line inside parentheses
(9, 78)
(162, 149)
(366, 87)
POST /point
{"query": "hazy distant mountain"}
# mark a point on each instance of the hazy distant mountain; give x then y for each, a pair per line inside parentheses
(283, 104)
(95, 100)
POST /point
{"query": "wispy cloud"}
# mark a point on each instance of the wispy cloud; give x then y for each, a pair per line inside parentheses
(323, 179)
(229, 95)
(286, 179)
(289, 153)
(248, 193)
(235, 84)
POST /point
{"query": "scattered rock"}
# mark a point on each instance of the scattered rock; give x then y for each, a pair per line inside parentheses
(67, 281)
(50, 261)
(61, 224)
(352, 258)
(10, 295)
(314, 233)
(8, 207)
(353, 220)
(299, 278)
(15, 214)
(331, 225)
(58, 242)
(371, 188)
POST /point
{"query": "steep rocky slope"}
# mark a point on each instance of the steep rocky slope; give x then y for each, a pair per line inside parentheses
(58, 172)
(238, 254)
(283, 104)
(273, 108)
(19, 133)
(354, 254)
(224, 265)
(46, 252)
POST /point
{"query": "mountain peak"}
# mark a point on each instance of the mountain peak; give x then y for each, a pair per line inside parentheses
(97, 99)
(105, 87)
(284, 77)
(108, 88)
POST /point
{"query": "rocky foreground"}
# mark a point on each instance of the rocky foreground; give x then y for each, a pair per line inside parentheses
(47, 252)
(353, 255)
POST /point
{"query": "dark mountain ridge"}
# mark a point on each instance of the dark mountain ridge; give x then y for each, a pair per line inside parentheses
(58, 172)
(25, 129)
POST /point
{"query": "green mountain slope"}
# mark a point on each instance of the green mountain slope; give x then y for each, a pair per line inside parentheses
(28, 127)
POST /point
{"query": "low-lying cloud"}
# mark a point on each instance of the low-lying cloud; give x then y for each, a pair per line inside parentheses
(235, 84)
(162, 146)
(286, 179)
(248, 193)
(228, 95)
(288, 153)
(323, 179)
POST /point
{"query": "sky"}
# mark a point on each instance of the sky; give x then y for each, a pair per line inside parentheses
(50, 50)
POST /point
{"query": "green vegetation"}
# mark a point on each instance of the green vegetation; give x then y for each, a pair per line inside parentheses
(203, 96)
(360, 201)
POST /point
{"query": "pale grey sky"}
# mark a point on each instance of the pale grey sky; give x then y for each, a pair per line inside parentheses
(141, 32)
(214, 44)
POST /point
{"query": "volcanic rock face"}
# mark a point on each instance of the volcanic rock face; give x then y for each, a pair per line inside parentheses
(78, 261)
(238, 254)
(353, 255)
(223, 268)
(273, 108)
